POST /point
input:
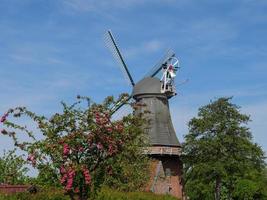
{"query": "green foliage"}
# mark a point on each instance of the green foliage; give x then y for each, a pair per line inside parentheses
(130, 172)
(245, 189)
(252, 186)
(130, 168)
(107, 194)
(48, 176)
(12, 168)
(219, 155)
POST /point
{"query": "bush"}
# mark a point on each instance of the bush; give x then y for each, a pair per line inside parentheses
(107, 194)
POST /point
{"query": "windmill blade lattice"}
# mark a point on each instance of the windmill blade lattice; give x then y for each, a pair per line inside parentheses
(163, 61)
(154, 94)
(113, 47)
(120, 104)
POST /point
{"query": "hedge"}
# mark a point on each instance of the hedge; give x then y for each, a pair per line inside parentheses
(105, 194)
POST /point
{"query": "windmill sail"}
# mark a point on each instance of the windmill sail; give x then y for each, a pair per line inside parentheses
(120, 104)
(153, 93)
(163, 61)
(113, 47)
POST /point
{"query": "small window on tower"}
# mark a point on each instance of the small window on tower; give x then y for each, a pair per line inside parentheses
(168, 172)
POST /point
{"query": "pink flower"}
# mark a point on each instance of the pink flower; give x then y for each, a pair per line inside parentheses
(98, 121)
(87, 176)
(4, 132)
(69, 178)
(63, 178)
(62, 170)
(111, 149)
(76, 190)
(3, 118)
(61, 141)
(109, 129)
(66, 149)
(97, 115)
(69, 184)
(80, 149)
(32, 159)
(99, 146)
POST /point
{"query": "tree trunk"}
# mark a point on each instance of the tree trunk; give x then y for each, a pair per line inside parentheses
(218, 186)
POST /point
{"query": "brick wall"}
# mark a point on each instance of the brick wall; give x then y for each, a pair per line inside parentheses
(166, 176)
(13, 188)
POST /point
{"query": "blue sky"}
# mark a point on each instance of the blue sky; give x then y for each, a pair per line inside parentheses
(52, 50)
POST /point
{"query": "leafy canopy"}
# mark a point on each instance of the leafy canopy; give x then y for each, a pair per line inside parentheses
(219, 154)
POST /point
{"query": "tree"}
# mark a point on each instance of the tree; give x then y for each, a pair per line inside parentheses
(219, 154)
(80, 144)
(12, 167)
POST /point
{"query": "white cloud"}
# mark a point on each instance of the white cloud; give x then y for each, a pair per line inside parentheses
(95, 5)
(258, 113)
(99, 6)
(153, 45)
(148, 47)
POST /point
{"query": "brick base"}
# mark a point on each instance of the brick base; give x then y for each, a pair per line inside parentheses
(165, 176)
(13, 188)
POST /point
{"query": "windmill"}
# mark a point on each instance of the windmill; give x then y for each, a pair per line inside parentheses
(154, 93)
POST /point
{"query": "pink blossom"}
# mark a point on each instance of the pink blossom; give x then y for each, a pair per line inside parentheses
(87, 176)
(61, 141)
(62, 170)
(119, 127)
(69, 178)
(80, 149)
(99, 146)
(111, 149)
(4, 132)
(98, 121)
(32, 159)
(97, 115)
(3, 118)
(63, 178)
(109, 129)
(66, 149)
(69, 184)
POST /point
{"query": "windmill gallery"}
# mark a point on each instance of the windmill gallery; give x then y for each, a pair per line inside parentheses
(165, 149)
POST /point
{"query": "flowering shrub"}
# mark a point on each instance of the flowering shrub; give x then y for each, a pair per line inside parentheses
(79, 143)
